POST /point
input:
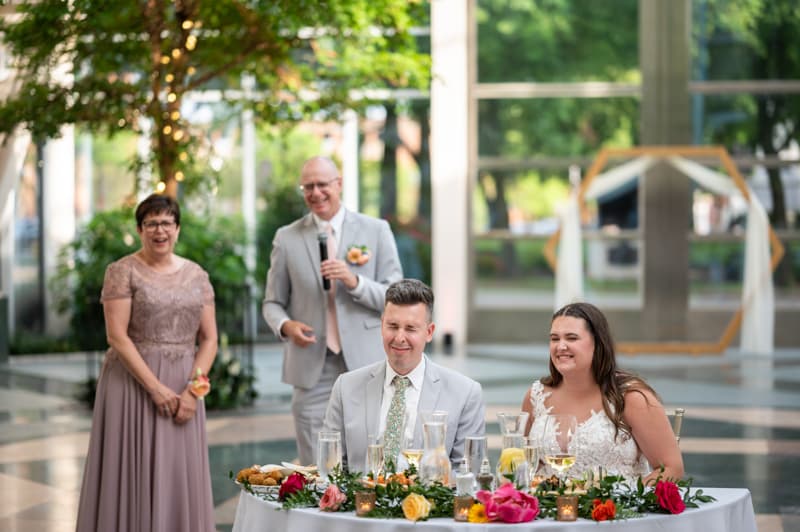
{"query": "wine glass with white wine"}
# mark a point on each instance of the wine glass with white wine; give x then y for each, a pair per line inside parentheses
(411, 450)
(559, 443)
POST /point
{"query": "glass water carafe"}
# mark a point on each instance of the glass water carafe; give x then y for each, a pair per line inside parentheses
(512, 465)
(435, 464)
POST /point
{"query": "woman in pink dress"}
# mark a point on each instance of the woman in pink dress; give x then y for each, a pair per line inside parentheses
(147, 467)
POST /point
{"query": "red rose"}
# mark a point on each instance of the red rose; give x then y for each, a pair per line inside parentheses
(669, 497)
(603, 511)
(293, 483)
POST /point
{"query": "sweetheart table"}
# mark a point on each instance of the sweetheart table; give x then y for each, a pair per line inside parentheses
(731, 512)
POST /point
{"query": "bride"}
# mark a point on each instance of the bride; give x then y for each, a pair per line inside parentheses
(622, 425)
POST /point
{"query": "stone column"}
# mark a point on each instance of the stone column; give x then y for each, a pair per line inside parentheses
(450, 173)
(664, 196)
(58, 216)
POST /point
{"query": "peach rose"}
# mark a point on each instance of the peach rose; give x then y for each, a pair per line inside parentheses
(362, 260)
(353, 255)
(416, 507)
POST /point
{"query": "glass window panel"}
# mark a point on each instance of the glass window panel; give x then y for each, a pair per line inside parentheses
(742, 39)
(546, 41)
(556, 127)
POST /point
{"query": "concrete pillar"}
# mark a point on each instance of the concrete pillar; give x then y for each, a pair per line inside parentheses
(249, 200)
(350, 160)
(664, 197)
(450, 169)
(58, 216)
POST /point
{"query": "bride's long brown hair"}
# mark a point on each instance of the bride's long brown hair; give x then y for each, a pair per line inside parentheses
(614, 382)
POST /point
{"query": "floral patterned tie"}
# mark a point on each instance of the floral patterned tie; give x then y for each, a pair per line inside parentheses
(394, 419)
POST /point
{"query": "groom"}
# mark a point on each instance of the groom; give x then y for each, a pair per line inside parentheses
(377, 398)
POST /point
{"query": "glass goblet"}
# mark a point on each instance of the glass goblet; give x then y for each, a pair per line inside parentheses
(559, 443)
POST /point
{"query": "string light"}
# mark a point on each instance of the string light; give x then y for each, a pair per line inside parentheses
(187, 24)
(179, 176)
(191, 70)
(121, 122)
(171, 97)
(191, 42)
(175, 115)
(176, 53)
(183, 156)
(169, 78)
(165, 59)
(167, 129)
(178, 135)
(161, 187)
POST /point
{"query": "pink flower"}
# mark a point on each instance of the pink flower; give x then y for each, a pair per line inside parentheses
(509, 505)
(332, 499)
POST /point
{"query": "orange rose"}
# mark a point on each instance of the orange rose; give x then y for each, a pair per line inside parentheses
(603, 511)
(362, 260)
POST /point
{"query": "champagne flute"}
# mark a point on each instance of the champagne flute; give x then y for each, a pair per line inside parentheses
(375, 456)
(329, 452)
(559, 442)
(531, 448)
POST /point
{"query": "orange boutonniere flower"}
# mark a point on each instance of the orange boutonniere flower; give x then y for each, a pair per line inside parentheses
(358, 255)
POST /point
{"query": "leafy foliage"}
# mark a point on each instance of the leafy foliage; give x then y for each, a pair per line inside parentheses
(231, 381)
(630, 501)
(109, 64)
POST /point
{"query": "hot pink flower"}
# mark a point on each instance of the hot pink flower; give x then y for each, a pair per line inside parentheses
(332, 499)
(509, 505)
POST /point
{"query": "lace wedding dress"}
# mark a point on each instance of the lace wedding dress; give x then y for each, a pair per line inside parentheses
(596, 445)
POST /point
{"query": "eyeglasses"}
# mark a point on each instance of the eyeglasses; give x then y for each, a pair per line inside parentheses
(308, 188)
(152, 226)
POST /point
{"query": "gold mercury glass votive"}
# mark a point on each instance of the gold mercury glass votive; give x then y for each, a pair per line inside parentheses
(365, 502)
(461, 506)
(566, 508)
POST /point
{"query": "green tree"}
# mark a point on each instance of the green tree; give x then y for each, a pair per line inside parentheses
(110, 64)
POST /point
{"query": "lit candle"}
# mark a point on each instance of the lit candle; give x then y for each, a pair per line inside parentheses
(461, 506)
(365, 502)
(566, 508)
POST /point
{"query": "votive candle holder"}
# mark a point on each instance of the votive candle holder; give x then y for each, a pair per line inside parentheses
(365, 502)
(461, 506)
(566, 508)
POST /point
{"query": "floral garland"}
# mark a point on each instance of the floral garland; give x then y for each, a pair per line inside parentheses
(401, 496)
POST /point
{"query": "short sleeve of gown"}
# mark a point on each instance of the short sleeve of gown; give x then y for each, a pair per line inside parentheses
(208, 290)
(117, 282)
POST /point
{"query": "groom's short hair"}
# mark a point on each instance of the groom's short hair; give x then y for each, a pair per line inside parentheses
(410, 292)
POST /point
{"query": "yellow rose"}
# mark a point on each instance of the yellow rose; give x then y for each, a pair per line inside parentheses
(510, 458)
(416, 507)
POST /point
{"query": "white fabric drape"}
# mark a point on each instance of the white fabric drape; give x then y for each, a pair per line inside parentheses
(758, 299)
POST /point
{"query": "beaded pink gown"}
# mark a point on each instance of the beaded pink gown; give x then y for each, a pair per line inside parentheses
(144, 472)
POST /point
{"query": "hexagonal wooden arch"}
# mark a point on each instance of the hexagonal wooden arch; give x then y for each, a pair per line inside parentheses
(661, 152)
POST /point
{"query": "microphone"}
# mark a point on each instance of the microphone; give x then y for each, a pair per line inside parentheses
(323, 255)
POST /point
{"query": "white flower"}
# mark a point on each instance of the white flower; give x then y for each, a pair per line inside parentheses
(234, 368)
(225, 357)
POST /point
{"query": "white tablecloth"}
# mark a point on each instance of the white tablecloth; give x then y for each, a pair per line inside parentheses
(731, 512)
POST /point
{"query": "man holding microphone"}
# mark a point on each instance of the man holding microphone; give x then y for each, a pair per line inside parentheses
(334, 326)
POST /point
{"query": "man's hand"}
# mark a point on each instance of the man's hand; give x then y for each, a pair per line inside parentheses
(338, 270)
(299, 333)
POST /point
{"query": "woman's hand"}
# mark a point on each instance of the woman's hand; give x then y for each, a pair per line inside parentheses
(187, 406)
(166, 400)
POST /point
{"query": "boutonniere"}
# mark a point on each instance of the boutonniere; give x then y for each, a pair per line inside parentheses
(358, 255)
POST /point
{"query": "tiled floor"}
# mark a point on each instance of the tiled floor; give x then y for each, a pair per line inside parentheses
(742, 427)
